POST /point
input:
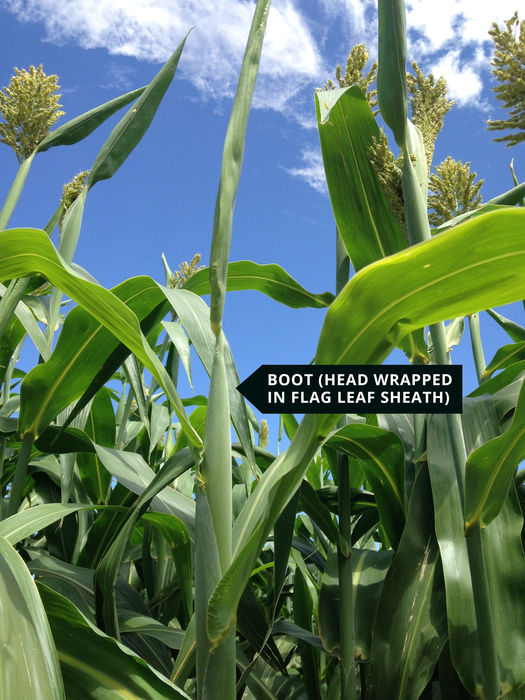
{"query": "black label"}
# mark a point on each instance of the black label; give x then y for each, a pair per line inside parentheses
(355, 389)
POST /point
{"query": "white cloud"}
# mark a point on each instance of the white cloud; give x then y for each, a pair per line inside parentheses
(312, 170)
(463, 81)
(151, 29)
(460, 29)
(449, 37)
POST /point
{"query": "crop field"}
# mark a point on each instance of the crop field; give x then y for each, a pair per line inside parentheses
(153, 542)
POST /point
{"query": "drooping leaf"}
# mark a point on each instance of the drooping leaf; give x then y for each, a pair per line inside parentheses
(85, 349)
(25, 251)
(31, 520)
(181, 343)
(93, 663)
(131, 623)
(423, 285)
(131, 470)
(430, 282)
(30, 325)
(270, 279)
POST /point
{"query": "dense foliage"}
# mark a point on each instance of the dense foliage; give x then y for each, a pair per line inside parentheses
(143, 554)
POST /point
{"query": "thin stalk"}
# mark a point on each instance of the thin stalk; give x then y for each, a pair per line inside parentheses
(346, 603)
(15, 191)
(485, 622)
(17, 485)
(477, 347)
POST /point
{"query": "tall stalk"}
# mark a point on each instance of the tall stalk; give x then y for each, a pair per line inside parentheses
(392, 94)
(216, 665)
(344, 558)
(346, 603)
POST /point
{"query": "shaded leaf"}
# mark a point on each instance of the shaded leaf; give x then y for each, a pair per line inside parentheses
(29, 656)
(94, 663)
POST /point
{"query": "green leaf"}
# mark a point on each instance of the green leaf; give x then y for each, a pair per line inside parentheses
(108, 567)
(506, 356)
(29, 658)
(380, 454)
(232, 158)
(303, 609)
(271, 280)
(130, 470)
(78, 128)
(292, 630)
(178, 538)
(28, 321)
(391, 74)
(502, 548)
(181, 343)
(501, 380)
(410, 626)
(194, 315)
(59, 440)
(132, 127)
(346, 129)
(100, 428)
(15, 191)
(26, 251)
(510, 198)
(319, 512)
(85, 350)
(449, 527)
(428, 283)
(94, 664)
(131, 623)
(369, 568)
(490, 469)
(25, 523)
(328, 612)
(8, 342)
(515, 331)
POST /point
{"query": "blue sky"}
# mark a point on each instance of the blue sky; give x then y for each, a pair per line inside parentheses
(162, 199)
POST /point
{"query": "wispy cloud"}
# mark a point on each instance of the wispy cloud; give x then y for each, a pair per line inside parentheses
(449, 37)
(150, 30)
(311, 170)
